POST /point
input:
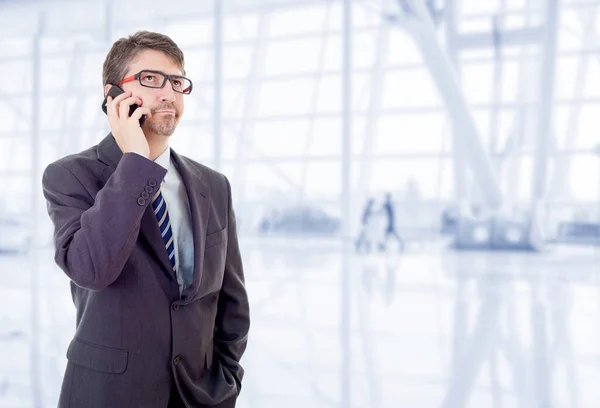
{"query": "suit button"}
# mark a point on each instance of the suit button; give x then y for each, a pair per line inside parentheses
(145, 195)
(141, 201)
(175, 307)
(149, 189)
(152, 183)
(176, 360)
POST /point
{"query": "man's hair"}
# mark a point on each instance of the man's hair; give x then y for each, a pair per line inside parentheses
(124, 51)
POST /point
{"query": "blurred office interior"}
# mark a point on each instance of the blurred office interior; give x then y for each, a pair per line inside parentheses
(416, 182)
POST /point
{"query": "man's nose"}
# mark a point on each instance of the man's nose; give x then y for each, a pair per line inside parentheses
(167, 94)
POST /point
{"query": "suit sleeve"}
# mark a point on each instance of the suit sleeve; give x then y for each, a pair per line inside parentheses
(94, 236)
(233, 313)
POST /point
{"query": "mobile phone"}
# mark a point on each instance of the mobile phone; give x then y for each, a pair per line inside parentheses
(115, 91)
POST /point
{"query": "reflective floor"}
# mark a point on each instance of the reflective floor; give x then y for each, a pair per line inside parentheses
(428, 328)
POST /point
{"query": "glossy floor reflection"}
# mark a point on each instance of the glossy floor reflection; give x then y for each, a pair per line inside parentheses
(429, 328)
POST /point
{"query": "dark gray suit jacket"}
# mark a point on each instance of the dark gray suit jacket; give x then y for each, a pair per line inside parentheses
(136, 337)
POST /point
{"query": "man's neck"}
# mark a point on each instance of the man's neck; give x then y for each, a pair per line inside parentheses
(157, 145)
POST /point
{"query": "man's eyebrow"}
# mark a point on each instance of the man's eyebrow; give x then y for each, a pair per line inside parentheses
(163, 72)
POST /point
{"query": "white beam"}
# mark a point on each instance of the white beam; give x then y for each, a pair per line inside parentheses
(419, 24)
(460, 168)
(505, 37)
(346, 207)
(373, 110)
(218, 85)
(35, 338)
(558, 185)
(544, 123)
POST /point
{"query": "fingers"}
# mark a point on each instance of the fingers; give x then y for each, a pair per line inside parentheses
(125, 104)
(112, 104)
(137, 114)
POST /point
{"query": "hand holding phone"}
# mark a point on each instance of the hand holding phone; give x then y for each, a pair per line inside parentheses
(125, 118)
(115, 91)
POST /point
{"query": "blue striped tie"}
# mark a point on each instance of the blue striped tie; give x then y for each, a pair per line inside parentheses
(164, 223)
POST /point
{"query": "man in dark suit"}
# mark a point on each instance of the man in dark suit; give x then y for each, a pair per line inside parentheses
(148, 239)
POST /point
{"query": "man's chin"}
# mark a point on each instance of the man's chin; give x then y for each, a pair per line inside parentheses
(162, 128)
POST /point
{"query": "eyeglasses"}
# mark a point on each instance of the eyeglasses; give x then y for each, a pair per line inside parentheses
(157, 79)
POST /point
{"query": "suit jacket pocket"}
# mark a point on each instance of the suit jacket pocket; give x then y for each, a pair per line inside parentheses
(215, 238)
(98, 358)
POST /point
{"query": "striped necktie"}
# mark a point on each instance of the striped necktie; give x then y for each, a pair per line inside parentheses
(164, 223)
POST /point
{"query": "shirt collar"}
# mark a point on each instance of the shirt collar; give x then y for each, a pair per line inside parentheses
(165, 158)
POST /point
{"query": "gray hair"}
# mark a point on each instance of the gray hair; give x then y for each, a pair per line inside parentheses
(124, 51)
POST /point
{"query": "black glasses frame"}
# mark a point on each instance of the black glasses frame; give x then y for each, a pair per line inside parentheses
(167, 77)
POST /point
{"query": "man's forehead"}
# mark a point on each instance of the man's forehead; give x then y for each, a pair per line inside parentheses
(154, 61)
(150, 69)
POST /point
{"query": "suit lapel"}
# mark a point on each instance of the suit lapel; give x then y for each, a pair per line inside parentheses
(198, 195)
(151, 233)
(110, 154)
